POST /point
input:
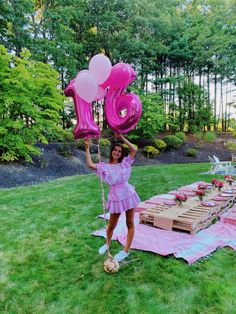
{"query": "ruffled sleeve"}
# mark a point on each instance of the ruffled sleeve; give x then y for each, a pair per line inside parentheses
(127, 162)
(101, 170)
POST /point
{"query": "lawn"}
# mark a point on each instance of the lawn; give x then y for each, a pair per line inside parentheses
(49, 260)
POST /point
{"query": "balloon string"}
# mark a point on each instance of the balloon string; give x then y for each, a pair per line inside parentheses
(103, 199)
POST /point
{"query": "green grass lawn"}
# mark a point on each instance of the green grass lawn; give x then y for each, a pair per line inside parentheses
(49, 260)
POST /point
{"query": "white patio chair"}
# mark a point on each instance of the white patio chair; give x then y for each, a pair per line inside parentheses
(218, 166)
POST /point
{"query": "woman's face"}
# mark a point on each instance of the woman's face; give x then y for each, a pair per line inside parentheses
(116, 153)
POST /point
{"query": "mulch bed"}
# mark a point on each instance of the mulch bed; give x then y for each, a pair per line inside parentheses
(58, 160)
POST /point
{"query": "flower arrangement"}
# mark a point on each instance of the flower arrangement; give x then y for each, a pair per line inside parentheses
(200, 193)
(229, 179)
(213, 182)
(219, 185)
(202, 186)
(180, 198)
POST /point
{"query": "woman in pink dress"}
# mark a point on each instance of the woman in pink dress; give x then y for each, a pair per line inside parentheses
(122, 196)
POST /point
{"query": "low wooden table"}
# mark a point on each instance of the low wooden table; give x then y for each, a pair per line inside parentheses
(191, 216)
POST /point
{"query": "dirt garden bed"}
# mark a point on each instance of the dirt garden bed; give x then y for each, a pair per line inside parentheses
(58, 161)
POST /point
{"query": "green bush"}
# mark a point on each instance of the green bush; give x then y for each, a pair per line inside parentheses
(209, 137)
(159, 144)
(199, 135)
(126, 147)
(65, 150)
(104, 142)
(80, 143)
(191, 152)
(150, 151)
(58, 134)
(105, 145)
(231, 145)
(181, 136)
(172, 141)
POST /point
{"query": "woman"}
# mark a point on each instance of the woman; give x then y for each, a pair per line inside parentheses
(122, 196)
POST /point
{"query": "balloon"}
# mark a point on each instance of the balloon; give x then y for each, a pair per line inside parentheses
(117, 103)
(120, 75)
(86, 127)
(101, 93)
(100, 67)
(86, 86)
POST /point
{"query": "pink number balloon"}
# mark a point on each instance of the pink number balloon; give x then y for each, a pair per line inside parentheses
(117, 102)
(86, 127)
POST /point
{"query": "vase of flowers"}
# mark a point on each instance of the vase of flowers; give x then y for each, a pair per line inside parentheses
(180, 198)
(200, 193)
(229, 179)
(219, 185)
(213, 182)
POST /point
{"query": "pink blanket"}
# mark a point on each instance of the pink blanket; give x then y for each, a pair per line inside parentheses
(182, 245)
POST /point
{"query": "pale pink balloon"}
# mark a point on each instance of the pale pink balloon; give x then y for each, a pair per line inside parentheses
(101, 93)
(86, 86)
(100, 67)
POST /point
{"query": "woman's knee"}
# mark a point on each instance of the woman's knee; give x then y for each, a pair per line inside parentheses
(112, 226)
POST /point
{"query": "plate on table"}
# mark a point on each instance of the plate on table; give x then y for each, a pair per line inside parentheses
(169, 203)
(219, 198)
(225, 195)
(228, 191)
(208, 204)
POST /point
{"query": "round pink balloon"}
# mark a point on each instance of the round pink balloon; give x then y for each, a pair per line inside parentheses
(100, 67)
(86, 86)
(120, 75)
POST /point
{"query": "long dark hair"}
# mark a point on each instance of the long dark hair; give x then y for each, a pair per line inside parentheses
(122, 153)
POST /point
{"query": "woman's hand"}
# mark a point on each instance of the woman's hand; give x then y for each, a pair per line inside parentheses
(87, 142)
(119, 136)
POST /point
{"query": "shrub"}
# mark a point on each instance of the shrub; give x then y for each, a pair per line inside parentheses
(126, 147)
(65, 150)
(172, 141)
(150, 151)
(94, 158)
(58, 134)
(80, 143)
(199, 135)
(230, 145)
(181, 136)
(159, 144)
(105, 145)
(209, 137)
(191, 152)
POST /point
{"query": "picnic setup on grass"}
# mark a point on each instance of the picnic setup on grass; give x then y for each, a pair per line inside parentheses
(190, 222)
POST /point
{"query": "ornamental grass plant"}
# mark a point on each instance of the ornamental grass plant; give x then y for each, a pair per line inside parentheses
(50, 264)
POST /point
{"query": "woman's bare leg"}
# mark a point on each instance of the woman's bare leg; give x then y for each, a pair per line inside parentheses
(130, 226)
(111, 226)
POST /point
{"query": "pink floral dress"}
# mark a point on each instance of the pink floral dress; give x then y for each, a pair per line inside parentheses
(122, 195)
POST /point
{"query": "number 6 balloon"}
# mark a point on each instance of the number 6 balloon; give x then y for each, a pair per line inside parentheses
(117, 102)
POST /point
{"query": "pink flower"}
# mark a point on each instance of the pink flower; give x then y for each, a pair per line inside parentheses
(213, 181)
(200, 192)
(202, 186)
(180, 197)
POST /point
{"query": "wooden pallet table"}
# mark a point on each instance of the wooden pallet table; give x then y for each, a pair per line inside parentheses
(191, 217)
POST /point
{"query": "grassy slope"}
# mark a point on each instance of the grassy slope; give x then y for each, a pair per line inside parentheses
(49, 261)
